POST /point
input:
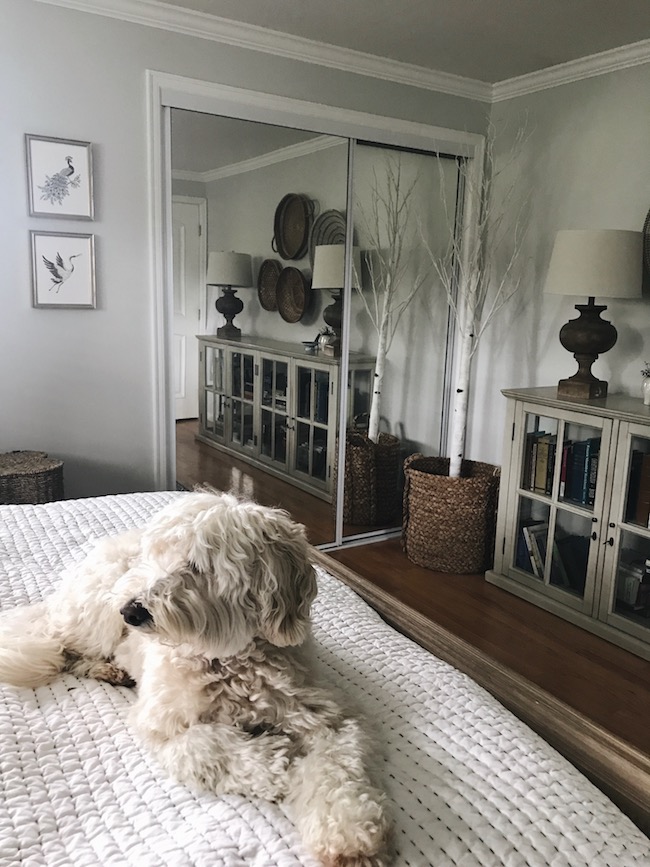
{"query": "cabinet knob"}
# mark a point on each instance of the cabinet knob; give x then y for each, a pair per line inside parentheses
(594, 536)
(609, 541)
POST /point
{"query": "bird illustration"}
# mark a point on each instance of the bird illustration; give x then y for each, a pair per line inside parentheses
(57, 186)
(59, 271)
(69, 169)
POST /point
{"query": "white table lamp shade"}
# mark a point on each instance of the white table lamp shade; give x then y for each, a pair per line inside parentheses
(329, 267)
(229, 269)
(607, 263)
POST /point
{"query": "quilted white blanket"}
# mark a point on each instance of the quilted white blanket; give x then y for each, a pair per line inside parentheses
(470, 785)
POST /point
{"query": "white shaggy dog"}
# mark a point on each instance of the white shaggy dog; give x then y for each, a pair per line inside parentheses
(203, 610)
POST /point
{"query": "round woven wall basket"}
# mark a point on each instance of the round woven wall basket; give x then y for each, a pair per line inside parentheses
(449, 524)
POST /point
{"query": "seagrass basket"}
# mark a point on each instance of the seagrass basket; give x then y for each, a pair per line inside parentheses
(449, 525)
(371, 493)
(30, 477)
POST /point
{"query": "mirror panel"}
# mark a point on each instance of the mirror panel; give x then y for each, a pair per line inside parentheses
(269, 395)
(399, 317)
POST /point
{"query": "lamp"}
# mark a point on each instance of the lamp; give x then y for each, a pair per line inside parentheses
(230, 270)
(603, 262)
(329, 273)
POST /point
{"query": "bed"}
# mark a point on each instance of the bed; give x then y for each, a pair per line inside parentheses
(469, 783)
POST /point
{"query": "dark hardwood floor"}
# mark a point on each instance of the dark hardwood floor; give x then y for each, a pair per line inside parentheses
(605, 683)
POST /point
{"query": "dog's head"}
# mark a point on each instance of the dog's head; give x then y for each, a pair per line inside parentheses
(216, 573)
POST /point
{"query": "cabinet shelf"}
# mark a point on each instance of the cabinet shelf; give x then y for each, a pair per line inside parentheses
(269, 403)
(574, 509)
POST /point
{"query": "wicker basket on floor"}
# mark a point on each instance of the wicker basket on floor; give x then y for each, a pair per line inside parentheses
(30, 477)
(371, 493)
(449, 523)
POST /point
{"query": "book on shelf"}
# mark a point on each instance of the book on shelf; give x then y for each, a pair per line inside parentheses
(573, 554)
(642, 511)
(544, 463)
(633, 482)
(530, 458)
(523, 559)
(536, 560)
(564, 467)
(550, 474)
(580, 465)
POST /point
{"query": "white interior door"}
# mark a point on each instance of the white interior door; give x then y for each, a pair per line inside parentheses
(189, 257)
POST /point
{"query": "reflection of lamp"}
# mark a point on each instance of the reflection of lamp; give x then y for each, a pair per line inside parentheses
(229, 270)
(608, 263)
(329, 273)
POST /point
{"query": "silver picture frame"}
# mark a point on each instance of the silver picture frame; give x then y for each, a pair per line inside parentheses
(59, 177)
(63, 270)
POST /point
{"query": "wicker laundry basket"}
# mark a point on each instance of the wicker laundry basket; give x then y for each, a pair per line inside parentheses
(30, 477)
(449, 524)
(371, 493)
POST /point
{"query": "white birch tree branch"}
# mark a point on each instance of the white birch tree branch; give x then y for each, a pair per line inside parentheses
(479, 270)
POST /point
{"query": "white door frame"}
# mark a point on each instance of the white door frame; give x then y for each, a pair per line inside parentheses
(200, 202)
(166, 91)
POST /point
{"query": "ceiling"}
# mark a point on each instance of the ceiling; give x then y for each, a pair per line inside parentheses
(485, 40)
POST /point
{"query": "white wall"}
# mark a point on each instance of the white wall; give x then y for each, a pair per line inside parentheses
(80, 383)
(586, 160)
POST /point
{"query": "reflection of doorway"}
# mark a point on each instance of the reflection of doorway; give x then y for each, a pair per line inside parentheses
(189, 256)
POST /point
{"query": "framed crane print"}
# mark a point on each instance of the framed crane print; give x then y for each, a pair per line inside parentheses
(59, 177)
(63, 270)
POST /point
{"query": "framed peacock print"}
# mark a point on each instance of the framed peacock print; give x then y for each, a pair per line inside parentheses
(63, 270)
(59, 177)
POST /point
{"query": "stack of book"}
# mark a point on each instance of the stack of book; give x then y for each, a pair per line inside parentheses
(568, 561)
(579, 470)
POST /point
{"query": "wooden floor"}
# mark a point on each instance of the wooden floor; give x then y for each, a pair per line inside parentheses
(605, 683)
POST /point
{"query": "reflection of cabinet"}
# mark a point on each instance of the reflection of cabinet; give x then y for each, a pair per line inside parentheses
(277, 407)
(573, 531)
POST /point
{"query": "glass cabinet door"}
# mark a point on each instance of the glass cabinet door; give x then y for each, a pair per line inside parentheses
(625, 603)
(555, 544)
(213, 393)
(274, 412)
(242, 393)
(312, 416)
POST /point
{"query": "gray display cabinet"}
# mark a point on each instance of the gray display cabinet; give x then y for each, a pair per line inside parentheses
(573, 531)
(276, 406)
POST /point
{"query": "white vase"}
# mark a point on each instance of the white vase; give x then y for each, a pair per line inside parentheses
(645, 387)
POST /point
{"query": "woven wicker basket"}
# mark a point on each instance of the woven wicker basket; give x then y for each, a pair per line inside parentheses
(449, 524)
(30, 477)
(371, 493)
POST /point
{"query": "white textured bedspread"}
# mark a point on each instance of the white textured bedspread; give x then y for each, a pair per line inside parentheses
(470, 785)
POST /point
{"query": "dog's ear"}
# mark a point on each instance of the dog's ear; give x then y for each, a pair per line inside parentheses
(287, 588)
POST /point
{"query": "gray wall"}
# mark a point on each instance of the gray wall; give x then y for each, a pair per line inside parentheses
(587, 161)
(79, 383)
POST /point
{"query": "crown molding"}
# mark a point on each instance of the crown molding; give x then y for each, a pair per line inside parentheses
(204, 26)
(200, 25)
(613, 60)
(291, 152)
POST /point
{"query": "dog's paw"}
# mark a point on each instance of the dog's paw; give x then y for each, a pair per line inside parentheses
(115, 675)
(104, 670)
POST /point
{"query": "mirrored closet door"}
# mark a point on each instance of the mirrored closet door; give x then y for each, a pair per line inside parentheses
(317, 323)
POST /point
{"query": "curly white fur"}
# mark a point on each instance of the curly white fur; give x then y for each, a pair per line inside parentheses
(204, 609)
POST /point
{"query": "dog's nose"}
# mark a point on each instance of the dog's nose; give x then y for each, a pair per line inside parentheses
(135, 613)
